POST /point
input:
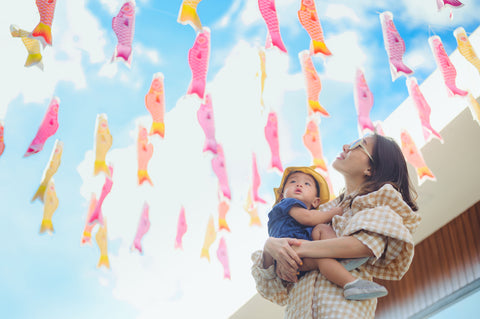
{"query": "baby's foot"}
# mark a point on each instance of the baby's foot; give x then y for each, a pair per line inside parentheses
(363, 289)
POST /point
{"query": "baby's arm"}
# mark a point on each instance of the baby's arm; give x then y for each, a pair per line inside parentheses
(313, 217)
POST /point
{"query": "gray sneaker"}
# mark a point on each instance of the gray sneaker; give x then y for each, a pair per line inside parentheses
(353, 263)
(363, 289)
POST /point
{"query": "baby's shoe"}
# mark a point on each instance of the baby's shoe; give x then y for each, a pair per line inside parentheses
(363, 289)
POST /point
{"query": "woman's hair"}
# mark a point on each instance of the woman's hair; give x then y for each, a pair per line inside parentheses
(388, 167)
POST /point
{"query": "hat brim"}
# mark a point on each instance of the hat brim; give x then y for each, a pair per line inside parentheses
(322, 183)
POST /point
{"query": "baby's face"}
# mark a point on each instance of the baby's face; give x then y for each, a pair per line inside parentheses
(302, 187)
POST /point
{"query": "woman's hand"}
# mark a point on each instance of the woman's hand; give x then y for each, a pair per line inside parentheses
(287, 259)
(287, 273)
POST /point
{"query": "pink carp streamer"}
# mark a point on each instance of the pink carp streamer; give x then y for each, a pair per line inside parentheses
(142, 229)
(423, 109)
(2, 139)
(87, 230)
(124, 27)
(222, 256)
(198, 57)
(363, 103)
(271, 135)
(256, 181)
(394, 45)
(207, 122)
(219, 168)
(269, 14)
(97, 216)
(47, 128)
(446, 67)
(450, 3)
(181, 229)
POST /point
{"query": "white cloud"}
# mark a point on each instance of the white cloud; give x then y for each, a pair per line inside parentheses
(141, 51)
(366, 12)
(84, 31)
(339, 11)
(112, 6)
(420, 59)
(347, 56)
(251, 14)
(226, 19)
(108, 70)
(287, 15)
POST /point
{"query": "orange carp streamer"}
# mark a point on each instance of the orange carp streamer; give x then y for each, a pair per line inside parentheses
(309, 20)
(210, 237)
(414, 156)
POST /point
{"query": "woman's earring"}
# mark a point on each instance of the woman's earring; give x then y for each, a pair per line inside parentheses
(368, 173)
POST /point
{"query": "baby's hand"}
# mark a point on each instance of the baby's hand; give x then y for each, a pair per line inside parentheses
(338, 211)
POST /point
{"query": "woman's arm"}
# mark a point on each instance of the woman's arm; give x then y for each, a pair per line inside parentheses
(267, 283)
(281, 250)
(313, 217)
(341, 247)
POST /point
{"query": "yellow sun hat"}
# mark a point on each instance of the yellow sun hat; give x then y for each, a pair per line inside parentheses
(324, 193)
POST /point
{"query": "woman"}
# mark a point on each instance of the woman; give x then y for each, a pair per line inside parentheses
(378, 221)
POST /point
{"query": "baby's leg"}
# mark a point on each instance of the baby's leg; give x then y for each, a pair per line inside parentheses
(323, 231)
(329, 267)
(354, 289)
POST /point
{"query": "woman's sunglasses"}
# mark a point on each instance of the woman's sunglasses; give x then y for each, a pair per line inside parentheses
(359, 143)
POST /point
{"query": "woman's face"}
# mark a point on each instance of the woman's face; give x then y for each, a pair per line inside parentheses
(355, 161)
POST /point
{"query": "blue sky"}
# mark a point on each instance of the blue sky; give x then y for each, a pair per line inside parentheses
(46, 276)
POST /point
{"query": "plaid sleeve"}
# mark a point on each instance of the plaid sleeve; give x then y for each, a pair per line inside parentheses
(375, 242)
(384, 222)
(269, 286)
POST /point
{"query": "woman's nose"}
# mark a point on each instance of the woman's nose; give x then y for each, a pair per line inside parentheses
(345, 147)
